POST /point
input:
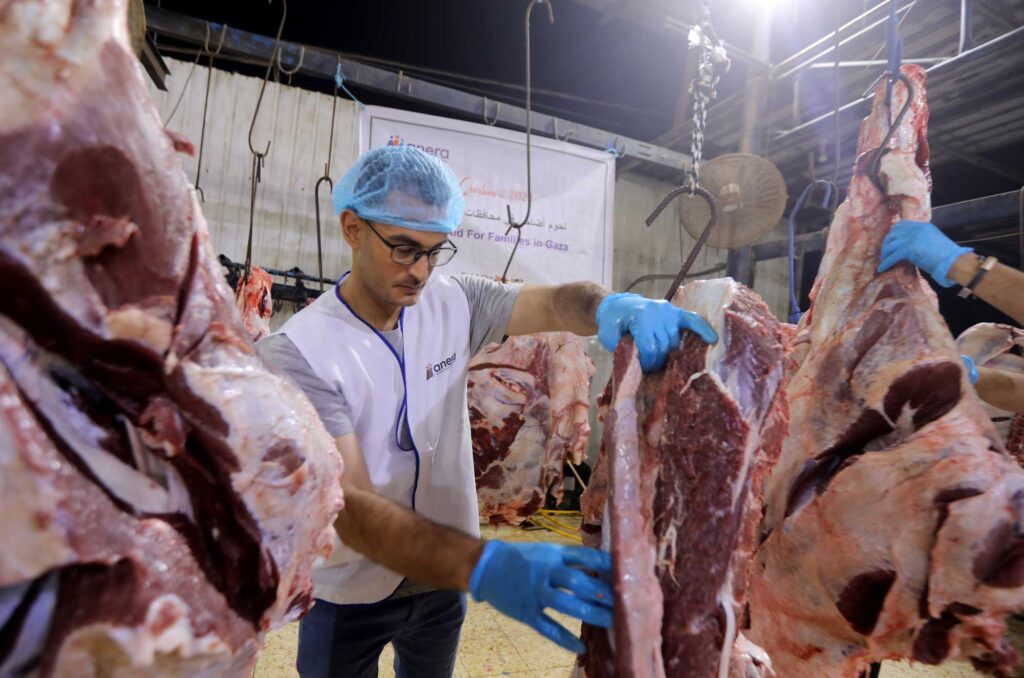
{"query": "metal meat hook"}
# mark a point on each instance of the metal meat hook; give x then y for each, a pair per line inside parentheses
(876, 159)
(692, 189)
(529, 107)
(266, 77)
(326, 178)
(206, 102)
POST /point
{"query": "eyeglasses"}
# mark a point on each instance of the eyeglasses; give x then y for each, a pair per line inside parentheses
(409, 254)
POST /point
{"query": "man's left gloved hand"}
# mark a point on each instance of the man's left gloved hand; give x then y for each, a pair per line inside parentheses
(923, 245)
(654, 325)
(521, 580)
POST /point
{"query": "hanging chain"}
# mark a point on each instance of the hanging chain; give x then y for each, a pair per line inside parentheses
(711, 63)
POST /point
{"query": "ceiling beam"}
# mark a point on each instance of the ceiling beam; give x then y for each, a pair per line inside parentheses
(322, 63)
(972, 159)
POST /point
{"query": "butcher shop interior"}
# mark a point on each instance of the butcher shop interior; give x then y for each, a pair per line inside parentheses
(721, 376)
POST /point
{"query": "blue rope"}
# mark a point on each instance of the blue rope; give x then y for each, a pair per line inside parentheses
(339, 80)
(828, 201)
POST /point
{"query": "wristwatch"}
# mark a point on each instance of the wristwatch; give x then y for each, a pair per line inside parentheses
(987, 265)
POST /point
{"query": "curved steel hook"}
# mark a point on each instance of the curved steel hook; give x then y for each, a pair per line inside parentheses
(712, 220)
(266, 77)
(206, 102)
(529, 104)
(875, 164)
(567, 136)
(295, 69)
(497, 112)
(188, 79)
(319, 241)
(326, 177)
(334, 106)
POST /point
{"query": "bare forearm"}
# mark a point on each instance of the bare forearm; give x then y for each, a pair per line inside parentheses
(575, 305)
(1001, 389)
(1003, 287)
(406, 543)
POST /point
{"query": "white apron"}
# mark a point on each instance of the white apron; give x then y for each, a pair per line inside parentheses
(435, 476)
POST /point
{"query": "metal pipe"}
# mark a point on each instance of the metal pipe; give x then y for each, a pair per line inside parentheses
(740, 265)
(824, 52)
(876, 62)
(821, 41)
(937, 70)
(966, 34)
(993, 208)
(323, 64)
(671, 276)
(828, 50)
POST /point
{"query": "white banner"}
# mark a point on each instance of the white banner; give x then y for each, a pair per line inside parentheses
(569, 232)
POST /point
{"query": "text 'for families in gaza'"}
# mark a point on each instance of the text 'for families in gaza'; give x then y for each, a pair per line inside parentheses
(490, 236)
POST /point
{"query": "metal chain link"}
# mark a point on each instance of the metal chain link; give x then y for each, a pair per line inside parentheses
(702, 89)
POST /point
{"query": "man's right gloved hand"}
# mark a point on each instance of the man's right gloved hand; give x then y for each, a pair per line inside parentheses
(521, 580)
(654, 324)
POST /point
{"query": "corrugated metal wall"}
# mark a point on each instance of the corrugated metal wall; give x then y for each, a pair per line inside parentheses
(297, 123)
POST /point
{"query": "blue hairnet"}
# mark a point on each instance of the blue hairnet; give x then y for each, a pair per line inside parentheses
(403, 186)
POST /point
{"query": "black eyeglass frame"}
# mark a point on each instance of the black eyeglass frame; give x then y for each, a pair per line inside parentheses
(416, 253)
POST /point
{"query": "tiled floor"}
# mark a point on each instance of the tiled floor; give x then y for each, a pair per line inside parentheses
(492, 644)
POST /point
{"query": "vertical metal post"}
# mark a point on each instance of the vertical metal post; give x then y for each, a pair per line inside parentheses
(750, 138)
(740, 264)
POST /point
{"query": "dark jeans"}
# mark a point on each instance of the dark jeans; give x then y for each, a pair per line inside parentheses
(345, 641)
(571, 499)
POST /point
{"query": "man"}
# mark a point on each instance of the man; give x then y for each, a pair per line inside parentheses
(383, 357)
(929, 249)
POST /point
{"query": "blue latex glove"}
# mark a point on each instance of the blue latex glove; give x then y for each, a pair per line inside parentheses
(972, 368)
(923, 245)
(520, 580)
(654, 325)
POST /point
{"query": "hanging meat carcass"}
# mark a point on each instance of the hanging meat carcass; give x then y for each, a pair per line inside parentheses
(999, 347)
(686, 451)
(164, 493)
(252, 297)
(528, 412)
(893, 521)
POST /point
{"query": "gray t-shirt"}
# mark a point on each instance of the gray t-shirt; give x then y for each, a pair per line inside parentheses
(490, 307)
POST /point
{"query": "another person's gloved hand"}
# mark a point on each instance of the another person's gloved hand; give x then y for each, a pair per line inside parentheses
(972, 368)
(521, 580)
(923, 245)
(653, 324)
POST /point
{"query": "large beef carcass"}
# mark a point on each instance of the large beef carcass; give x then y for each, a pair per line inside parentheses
(164, 493)
(528, 412)
(686, 450)
(252, 296)
(999, 347)
(893, 522)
